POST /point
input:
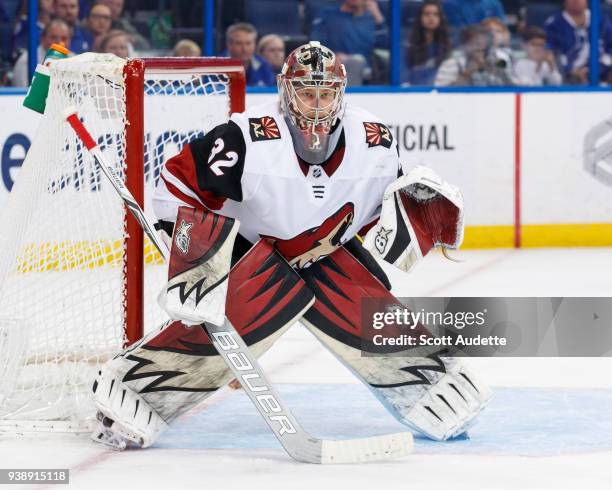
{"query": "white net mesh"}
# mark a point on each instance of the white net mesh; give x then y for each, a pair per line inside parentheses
(62, 247)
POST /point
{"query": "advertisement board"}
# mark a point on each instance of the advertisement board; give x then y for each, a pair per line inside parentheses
(562, 196)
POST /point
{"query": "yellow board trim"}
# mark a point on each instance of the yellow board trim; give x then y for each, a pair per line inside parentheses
(557, 235)
(501, 236)
(91, 254)
(567, 235)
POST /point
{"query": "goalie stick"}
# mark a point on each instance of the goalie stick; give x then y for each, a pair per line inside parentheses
(300, 445)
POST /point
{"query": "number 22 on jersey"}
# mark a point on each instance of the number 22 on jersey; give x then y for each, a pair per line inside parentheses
(228, 159)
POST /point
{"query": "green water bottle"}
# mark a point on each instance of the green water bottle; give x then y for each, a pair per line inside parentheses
(36, 97)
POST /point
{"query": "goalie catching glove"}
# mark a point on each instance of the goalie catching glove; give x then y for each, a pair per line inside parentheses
(200, 260)
(419, 212)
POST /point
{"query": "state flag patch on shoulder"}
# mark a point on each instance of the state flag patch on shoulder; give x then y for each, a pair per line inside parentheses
(377, 134)
(263, 128)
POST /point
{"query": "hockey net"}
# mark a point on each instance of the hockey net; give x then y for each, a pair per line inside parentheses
(77, 279)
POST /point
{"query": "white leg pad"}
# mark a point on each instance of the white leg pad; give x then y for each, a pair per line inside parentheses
(134, 418)
(449, 405)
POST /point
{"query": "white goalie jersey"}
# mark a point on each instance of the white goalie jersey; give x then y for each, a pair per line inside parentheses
(248, 169)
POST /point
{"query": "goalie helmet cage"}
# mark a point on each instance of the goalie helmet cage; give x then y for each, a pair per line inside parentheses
(77, 278)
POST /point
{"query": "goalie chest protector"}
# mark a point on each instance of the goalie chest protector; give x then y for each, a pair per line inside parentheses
(280, 201)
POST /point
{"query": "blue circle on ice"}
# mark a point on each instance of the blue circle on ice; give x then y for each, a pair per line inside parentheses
(519, 421)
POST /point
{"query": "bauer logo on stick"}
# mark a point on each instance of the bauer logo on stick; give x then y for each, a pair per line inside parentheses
(182, 237)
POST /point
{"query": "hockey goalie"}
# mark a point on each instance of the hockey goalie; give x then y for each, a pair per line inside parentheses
(278, 216)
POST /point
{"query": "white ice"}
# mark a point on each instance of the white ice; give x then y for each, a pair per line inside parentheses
(224, 445)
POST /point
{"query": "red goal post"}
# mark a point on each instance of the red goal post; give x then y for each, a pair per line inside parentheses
(134, 72)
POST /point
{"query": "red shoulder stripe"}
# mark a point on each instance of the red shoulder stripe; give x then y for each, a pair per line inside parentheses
(183, 197)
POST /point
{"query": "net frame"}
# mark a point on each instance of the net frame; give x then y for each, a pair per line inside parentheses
(135, 73)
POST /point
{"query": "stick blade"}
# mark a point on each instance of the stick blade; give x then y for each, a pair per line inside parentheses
(377, 448)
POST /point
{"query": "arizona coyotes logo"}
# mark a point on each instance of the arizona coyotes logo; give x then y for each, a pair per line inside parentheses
(377, 134)
(315, 243)
(381, 240)
(263, 128)
(182, 237)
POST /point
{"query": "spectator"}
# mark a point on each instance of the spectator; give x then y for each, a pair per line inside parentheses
(471, 64)
(429, 44)
(272, 49)
(499, 32)
(56, 31)
(500, 53)
(240, 39)
(98, 23)
(120, 22)
(68, 11)
(160, 30)
(567, 33)
(186, 48)
(355, 27)
(116, 42)
(462, 13)
(46, 10)
(539, 66)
